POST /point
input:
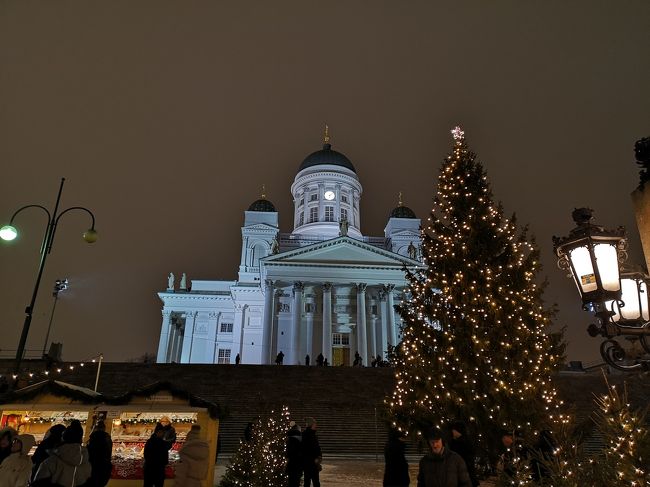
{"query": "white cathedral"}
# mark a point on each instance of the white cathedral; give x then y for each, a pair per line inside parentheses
(323, 288)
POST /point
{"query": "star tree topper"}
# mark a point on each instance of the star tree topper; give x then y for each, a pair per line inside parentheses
(458, 134)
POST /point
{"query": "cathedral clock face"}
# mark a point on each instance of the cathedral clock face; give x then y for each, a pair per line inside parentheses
(329, 195)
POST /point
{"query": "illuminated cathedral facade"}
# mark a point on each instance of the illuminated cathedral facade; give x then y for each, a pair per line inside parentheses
(324, 288)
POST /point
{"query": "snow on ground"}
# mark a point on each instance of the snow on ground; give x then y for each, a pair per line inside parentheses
(346, 473)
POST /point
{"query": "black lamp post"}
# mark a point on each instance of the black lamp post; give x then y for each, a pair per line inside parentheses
(9, 232)
(617, 297)
(59, 285)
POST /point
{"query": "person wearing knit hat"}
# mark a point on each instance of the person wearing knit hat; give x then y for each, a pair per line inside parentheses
(294, 455)
(194, 456)
(441, 467)
(68, 464)
(16, 469)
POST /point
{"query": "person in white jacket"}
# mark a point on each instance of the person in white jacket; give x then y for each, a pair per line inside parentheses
(68, 464)
(16, 469)
(195, 460)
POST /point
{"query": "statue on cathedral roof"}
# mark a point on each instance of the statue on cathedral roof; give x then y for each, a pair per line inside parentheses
(343, 227)
(170, 281)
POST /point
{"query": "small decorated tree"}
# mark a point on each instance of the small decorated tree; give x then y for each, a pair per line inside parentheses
(261, 460)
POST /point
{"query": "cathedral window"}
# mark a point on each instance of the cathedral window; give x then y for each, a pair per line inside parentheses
(224, 356)
(301, 219)
(313, 197)
(313, 215)
(329, 213)
(344, 214)
(310, 307)
(226, 328)
(344, 198)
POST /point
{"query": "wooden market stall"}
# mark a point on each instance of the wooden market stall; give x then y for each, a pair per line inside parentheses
(130, 419)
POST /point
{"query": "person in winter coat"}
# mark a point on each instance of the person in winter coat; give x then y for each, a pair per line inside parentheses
(155, 458)
(100, 451)
(7, 436)
(68, 465)
(461, 444)
(311, 454)
(442, 467)
(16, 469)
(51, 440)
(195, 456)
(294, 455)
(396, 472)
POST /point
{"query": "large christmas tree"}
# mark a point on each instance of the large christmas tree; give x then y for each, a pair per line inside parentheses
(474, 344)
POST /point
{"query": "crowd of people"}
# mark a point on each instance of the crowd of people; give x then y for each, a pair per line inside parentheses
(61, 459)
(452, 463)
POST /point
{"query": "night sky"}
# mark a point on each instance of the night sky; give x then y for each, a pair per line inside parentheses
(167, 117)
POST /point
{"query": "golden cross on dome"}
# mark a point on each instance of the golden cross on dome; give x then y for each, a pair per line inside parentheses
(458, 134)
(263, 195)
(326, 135)
(399, 199)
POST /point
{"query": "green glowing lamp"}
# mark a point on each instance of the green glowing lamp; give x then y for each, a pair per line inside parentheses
(8, 233)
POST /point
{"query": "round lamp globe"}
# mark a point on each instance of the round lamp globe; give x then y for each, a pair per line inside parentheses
(8, 233)
(90, 235)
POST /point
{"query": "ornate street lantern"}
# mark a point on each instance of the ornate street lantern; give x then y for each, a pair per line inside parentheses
(632, 309)
(592, 255)
(618, 299)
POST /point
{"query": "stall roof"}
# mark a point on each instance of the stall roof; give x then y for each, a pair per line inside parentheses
(88, 396)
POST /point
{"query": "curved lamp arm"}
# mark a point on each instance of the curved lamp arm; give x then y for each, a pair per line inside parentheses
(56, 222)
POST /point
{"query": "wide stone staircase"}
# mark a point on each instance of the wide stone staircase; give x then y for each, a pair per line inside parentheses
(347, 402)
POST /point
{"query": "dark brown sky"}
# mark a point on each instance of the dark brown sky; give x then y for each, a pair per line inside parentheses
(166, 117)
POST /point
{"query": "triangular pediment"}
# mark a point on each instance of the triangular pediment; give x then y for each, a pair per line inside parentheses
(341, 251)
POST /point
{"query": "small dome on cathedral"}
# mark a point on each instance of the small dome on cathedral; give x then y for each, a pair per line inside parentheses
(262, 204)
(326, 156)
(402, 211)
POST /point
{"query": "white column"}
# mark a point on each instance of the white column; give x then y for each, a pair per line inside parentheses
(361, 323)
(296, 322)
(383, 328)
(188, 337)
(327, 322)
(321, 204)
(164, 338)
(392, 334)
(275, 321)
(267, 330)
(372, 338)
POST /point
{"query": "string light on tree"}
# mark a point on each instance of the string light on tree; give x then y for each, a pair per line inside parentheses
(475, 344)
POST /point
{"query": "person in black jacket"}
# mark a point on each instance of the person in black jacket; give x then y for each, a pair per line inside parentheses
(396, 472)
(294, 455)
(442, 467)
(155, 458)
(100, 450)
(311, 454)
(461, 444)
